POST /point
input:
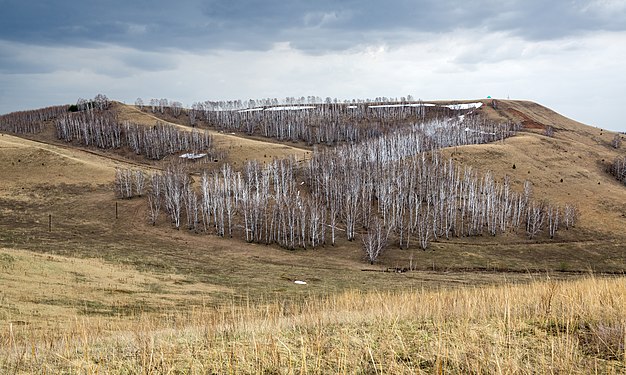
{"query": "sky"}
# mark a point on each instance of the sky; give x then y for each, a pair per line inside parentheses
(567, 55)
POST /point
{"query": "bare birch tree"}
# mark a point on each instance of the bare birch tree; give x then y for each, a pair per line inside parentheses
(155, 197)
(375, 241)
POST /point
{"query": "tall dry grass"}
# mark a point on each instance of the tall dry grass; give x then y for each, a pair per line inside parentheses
(566, 327)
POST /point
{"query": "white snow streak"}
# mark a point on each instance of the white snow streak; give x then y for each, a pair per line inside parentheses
(458, 107)
(290, 108)
(402, 105)
(192, 156)
(251, 110)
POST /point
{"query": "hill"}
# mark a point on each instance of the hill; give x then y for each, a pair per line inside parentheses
(568, 167)
(69, 248)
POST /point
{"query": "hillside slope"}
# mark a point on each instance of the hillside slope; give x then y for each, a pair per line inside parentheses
(568, 167)
(26, 162)
(74, 185)
(238, 149)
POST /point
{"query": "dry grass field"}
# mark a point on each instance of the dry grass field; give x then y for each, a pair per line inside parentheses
(88, 285)
(574, 327)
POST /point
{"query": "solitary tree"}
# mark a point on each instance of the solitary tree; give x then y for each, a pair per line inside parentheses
(375, 240)
(139, 103)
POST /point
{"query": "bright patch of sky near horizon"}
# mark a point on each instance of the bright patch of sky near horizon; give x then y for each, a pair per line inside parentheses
(567, 55)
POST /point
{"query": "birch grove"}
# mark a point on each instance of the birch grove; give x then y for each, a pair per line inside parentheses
(101, 129)
(376, 175)
(329, 122)
(394, 189)
(25, 122)
(336, 123)
(130, 183)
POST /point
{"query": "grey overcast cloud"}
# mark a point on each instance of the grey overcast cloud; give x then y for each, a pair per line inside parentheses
(567, 55)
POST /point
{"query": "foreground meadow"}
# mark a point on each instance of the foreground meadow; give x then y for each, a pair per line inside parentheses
(546, 326)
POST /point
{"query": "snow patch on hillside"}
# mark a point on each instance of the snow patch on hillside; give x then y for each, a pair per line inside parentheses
(402, 105)
(251, 110)
(290, 108)
(192, 156)
(458, 107)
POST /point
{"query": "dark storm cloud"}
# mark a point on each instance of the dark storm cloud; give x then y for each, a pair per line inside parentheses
(113, 61)
(308, 25)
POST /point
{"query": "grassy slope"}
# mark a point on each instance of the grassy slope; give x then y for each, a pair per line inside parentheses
(74, 187)
(566, 168)
(574, 155)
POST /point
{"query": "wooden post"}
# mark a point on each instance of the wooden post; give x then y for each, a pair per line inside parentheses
(49, 222)
(116, 210)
